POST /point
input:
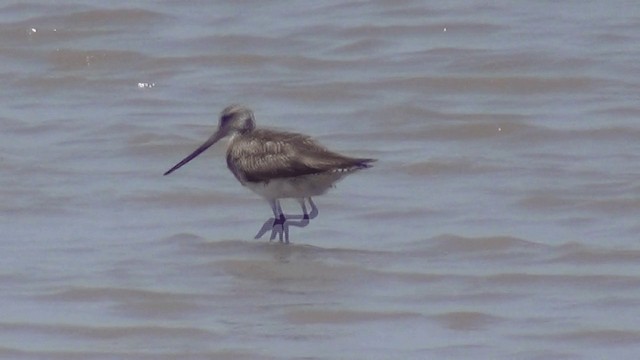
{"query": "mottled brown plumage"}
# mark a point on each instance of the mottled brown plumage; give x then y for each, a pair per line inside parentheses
(277, 164)
(263, 155)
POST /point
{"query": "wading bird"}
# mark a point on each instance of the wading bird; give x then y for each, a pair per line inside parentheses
(278, 165)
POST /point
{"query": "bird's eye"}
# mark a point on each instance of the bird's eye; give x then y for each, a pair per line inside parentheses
(225, 119)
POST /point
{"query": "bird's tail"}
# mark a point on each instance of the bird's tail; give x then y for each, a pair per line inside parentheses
(365, 163)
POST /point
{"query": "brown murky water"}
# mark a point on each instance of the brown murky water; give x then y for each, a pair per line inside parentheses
(501, 220)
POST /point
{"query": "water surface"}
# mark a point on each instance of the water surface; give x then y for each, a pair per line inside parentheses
(501, 220)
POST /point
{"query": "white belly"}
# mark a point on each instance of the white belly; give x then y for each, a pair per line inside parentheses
(295, 187)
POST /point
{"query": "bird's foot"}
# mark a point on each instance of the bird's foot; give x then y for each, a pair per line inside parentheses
(280, 226)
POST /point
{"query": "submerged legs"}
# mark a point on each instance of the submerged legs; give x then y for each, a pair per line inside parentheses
(279, 223)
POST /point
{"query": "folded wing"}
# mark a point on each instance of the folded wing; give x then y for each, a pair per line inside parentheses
(267, 155)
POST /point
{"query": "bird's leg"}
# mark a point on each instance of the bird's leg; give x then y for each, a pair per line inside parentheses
(304, 218)
(314, 209)
(280, 225)
(278, 215)
(277, 224)
(274, 208)
(277, 212)
(305, 214)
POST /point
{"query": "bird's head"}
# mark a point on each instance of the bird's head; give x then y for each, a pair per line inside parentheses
(234, 119)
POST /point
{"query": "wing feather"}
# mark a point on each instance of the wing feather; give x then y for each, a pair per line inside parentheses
(265, 155)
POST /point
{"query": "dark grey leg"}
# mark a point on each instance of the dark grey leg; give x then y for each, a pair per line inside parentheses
(279, 223)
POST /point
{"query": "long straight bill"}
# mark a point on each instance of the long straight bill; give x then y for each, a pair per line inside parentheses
(212, 140)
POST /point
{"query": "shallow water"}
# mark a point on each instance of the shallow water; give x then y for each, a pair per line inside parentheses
(501, 220)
